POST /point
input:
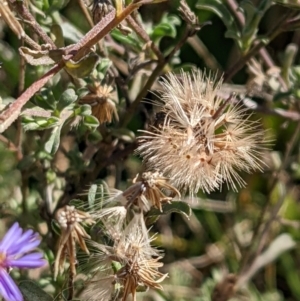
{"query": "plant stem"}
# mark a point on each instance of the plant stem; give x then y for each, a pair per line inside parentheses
(257, 237)
(156, 72)
(258, 46)
(27, 16)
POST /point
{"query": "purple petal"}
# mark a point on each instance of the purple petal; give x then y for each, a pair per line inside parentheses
(25, 246)
(24, 238)
(33, 260)
(8, 288)
(10, 237)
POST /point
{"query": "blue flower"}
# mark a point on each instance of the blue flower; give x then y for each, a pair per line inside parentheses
(14, 253)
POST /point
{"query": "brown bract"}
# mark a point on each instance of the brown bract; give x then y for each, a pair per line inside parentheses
(100, 9)
(153, 188)
(138, 264)
(72, 232)
(142, 273)
(100, 98)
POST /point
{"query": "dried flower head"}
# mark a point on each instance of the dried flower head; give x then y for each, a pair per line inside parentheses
(204, 140)
(69, 219)
(100, 98)
(150, 190)
(131, 262)
(100, 9)
(189, 17)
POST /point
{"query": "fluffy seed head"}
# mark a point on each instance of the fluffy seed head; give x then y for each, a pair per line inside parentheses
(204, 140)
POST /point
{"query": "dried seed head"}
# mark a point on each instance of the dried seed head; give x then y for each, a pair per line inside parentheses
(69, 216)
(136, 254)
(150, 189)
(100, 98)
(143, 273)
(100, 9)
(137, 262)
(101, 288)
(69, 219)
(134, 242)
(204, 140)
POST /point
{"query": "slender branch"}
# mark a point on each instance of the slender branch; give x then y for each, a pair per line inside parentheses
(108, 155)
(86, 12)
(15, 25)
(258, 46)
(21, 87)
(11, 113)
(257, 235)
(76, 52)
(10, 145)
(233, 6)
(140, 31)
(202, 51)
(22, 10)
(156, 72)
(100, 30)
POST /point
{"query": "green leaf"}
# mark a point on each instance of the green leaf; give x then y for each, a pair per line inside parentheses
(166, 28)
(291, 273)
(124, 134)
(220, 9)
(57, 4)
(83, 110)
(83, 67)
(67, 98)
(45, 99)
(102, 67)
(55, 227)
(176, 206)
(32, 292)
(52, 144)
(77, 203)
(90, 121)
(38, 123)
(57, 36)
(253, 16)
(295, 4)
(129, 40)
(70, 32)
(95, 137)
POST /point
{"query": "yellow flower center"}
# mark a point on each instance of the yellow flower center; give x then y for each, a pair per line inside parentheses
(2, 258)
